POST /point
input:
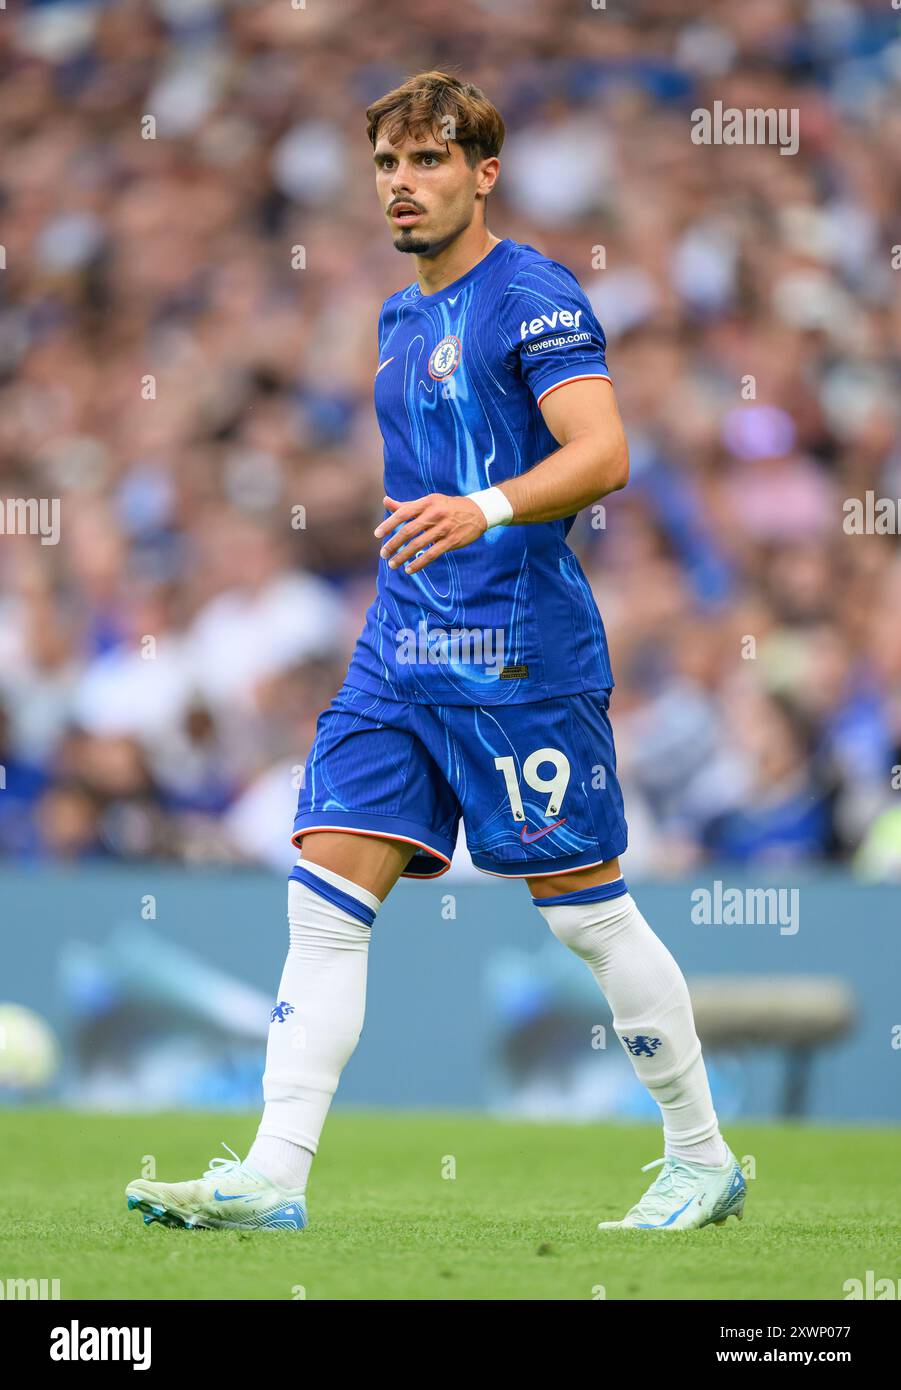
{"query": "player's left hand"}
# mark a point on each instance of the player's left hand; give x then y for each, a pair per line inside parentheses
(439, 522)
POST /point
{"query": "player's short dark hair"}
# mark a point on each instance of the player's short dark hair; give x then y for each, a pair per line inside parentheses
(432, 102)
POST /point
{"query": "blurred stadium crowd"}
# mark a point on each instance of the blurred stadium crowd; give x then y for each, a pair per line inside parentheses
(196, 389)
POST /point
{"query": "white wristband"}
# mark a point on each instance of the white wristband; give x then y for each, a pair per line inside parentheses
(494, 505)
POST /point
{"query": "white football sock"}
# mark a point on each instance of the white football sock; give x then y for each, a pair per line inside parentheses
(317, 1019)
(652, 1016)
(285, 1163)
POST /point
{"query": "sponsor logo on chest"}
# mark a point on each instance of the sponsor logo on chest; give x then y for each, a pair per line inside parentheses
(560, 318)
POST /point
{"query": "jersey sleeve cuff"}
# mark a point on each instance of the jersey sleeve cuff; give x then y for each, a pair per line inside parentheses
(564, 377)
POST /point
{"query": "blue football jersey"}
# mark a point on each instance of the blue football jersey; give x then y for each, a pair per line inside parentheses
(460, 378)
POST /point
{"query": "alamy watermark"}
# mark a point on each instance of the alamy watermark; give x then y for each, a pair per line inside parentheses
(756, 125)
(18, 1290)
(80, 1343)
(30, 516)
(870, 1287)
(871, 515)
(747, 907)
(457, 646)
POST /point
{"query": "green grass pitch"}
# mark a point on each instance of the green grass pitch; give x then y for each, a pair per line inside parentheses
(517, 1221)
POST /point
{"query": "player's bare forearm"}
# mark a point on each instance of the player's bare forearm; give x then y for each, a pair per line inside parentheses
(576, 475)
(592, 461)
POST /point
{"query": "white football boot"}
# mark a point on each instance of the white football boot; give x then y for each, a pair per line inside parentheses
(230, 1196)
(686, 1196)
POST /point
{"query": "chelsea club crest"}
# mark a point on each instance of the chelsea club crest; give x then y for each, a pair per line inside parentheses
(445, 358)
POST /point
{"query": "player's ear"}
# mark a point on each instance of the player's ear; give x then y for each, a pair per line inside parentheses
(486, 176)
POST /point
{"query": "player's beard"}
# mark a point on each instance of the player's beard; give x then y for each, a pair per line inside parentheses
(411, 245)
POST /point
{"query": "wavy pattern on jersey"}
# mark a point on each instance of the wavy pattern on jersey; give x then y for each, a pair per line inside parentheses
(444, 596)
(535, 290)
(474, 428)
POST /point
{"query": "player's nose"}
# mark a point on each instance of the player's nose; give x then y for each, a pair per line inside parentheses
(403, 181)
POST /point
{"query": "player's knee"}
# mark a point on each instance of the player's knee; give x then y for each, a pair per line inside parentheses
(572, 930)
(578, 927)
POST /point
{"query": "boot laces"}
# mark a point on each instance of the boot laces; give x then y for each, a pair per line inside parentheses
(220, 1165)
(676, 1181)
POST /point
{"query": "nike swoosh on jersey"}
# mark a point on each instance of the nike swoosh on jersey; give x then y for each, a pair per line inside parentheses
(528, 839)
(383, 364)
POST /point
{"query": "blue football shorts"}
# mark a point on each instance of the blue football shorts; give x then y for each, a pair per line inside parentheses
(535, 784)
